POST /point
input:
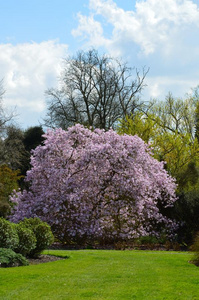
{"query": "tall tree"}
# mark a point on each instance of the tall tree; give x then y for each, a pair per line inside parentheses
(170, 128)
(95, 91)
(13, 150)
(5, 117)
(33, 137)
(197, 121)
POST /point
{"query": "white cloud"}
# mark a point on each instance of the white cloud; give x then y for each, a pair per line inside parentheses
(159, 86)
(28, 70)
(162, 34)
(91, 29)
(152, 24)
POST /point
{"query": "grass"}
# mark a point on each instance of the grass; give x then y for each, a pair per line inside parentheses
(100, 274)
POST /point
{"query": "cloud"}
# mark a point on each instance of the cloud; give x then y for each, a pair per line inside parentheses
(28, 70)
(152, 24)
(89, 28)
(161, 34)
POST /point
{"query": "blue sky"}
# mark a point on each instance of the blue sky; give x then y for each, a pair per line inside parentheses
(37, 34)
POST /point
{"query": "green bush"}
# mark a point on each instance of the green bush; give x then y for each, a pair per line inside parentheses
(42, 232)
(195, 248)
(27, 240)
(8, 235)
(8, 258)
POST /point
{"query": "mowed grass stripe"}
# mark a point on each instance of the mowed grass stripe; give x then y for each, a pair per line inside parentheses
(101, 274)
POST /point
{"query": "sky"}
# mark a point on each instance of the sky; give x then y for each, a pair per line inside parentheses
(36, 36)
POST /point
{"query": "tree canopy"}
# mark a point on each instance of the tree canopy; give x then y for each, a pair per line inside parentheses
(169, 126)
(95, 91)
(96, 185)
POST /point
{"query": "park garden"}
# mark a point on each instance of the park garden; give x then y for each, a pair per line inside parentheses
(113, 175)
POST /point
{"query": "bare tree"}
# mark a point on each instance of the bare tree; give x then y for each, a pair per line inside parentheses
(95, 91)
(5, 116)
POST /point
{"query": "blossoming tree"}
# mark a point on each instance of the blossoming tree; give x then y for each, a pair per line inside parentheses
(96, 185)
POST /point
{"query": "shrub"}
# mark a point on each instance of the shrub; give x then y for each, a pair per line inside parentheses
(195, 248)
(8, 258)
(27, 239)
(8, 235)
(43, 234)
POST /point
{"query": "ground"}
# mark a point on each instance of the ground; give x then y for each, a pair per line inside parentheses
(43, 259)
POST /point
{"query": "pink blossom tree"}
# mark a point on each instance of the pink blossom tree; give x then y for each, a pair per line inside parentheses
(96, 185)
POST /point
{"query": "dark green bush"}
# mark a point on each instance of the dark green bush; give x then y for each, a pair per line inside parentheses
(27, 240)
(8, 258)
(42, 232)
(195, 248)
(186, 212)
(8, 235)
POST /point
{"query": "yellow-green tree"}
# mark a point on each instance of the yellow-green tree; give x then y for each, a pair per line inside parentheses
(169, 127)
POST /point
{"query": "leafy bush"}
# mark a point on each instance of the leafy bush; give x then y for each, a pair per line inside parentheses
(43, 234)
(8, 235)
(8, 182)
(27, 239)
(195, 248)
(186, 211)
(8, 258)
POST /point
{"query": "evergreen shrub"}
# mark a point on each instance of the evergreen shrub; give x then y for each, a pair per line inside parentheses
(27, 240)
(42, 233)
(195, 248)
(8, 258)
(8, 235)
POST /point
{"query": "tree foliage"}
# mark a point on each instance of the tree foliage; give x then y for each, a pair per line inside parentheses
(96, 185)
(169, 127)
(8, 182)
(13, 150)
(33, 137)
(95, 91)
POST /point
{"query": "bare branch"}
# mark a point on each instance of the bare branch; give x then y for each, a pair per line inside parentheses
(96, 91)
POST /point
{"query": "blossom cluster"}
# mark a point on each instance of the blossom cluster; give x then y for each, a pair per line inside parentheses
(96, 184)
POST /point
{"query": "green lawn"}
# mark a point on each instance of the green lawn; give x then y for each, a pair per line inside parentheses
(100, 274)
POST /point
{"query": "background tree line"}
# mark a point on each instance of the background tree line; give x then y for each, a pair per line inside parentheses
(15, 151)
(99, 91)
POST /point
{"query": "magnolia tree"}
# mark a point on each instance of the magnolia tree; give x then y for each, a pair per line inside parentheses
(96, 185)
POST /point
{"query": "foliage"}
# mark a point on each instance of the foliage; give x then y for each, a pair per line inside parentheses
(8, 182)
(186, 211)
(33, 137)
(96, 185)
(42, 233)
(95, 91)
(14, 152)
(8, 235)
(16, 146)
(107, 275)
(171, 129)
(27, 240)
(195, 248)
(139, 124)
(8, 258)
